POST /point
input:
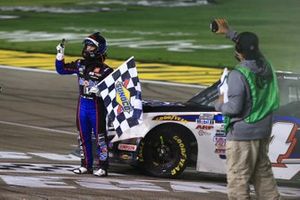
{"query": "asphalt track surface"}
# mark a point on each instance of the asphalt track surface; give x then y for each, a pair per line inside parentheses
(37, 135)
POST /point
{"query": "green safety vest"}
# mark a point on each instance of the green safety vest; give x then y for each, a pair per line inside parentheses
(265, 99)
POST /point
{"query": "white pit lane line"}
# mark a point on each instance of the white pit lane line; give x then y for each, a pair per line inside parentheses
(37, 128)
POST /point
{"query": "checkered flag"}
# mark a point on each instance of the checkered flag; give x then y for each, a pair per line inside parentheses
(121, 93)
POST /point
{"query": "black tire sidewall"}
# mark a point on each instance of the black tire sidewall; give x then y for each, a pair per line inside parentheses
(176, 141)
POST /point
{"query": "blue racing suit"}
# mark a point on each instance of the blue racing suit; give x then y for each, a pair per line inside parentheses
(91, 113)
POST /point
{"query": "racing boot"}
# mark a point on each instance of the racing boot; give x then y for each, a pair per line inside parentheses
(82, 170)
(101, 172)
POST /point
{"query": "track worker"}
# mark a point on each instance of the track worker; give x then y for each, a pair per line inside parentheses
(252, 97)
(91, 113)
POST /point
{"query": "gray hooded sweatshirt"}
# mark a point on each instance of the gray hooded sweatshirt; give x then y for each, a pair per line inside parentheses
(239, 102)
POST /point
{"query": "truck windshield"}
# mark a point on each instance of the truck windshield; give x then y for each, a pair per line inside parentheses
(289, 88)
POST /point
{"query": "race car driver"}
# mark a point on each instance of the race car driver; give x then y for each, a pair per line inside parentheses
(91, 113)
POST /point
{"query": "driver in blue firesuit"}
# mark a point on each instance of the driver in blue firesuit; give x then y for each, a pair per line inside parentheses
(91, 113)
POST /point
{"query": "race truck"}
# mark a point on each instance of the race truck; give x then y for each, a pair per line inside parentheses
(176, 135)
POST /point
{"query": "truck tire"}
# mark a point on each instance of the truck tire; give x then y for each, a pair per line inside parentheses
(165, 152)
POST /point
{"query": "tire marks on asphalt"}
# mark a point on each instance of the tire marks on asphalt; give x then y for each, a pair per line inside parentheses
(60, 176)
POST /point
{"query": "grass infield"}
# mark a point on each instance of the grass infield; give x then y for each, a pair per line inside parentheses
(158, 31)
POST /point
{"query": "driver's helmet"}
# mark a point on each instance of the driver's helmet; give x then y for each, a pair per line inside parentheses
(97, 41)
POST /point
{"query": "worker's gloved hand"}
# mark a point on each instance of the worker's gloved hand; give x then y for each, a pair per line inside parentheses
(220, 26)
(223, 86)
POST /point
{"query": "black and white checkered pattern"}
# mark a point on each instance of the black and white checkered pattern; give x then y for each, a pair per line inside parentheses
(128, 112)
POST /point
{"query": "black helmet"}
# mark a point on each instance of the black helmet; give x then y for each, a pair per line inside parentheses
(99, 42)
(247, 44)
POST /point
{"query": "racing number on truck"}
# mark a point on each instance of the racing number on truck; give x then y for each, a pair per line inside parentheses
(283, 142)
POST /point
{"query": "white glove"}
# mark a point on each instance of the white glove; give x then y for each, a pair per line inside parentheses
(95, 90)
(223, 87)
(60, 52)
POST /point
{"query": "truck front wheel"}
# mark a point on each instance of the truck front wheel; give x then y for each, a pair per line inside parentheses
(165, 152)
